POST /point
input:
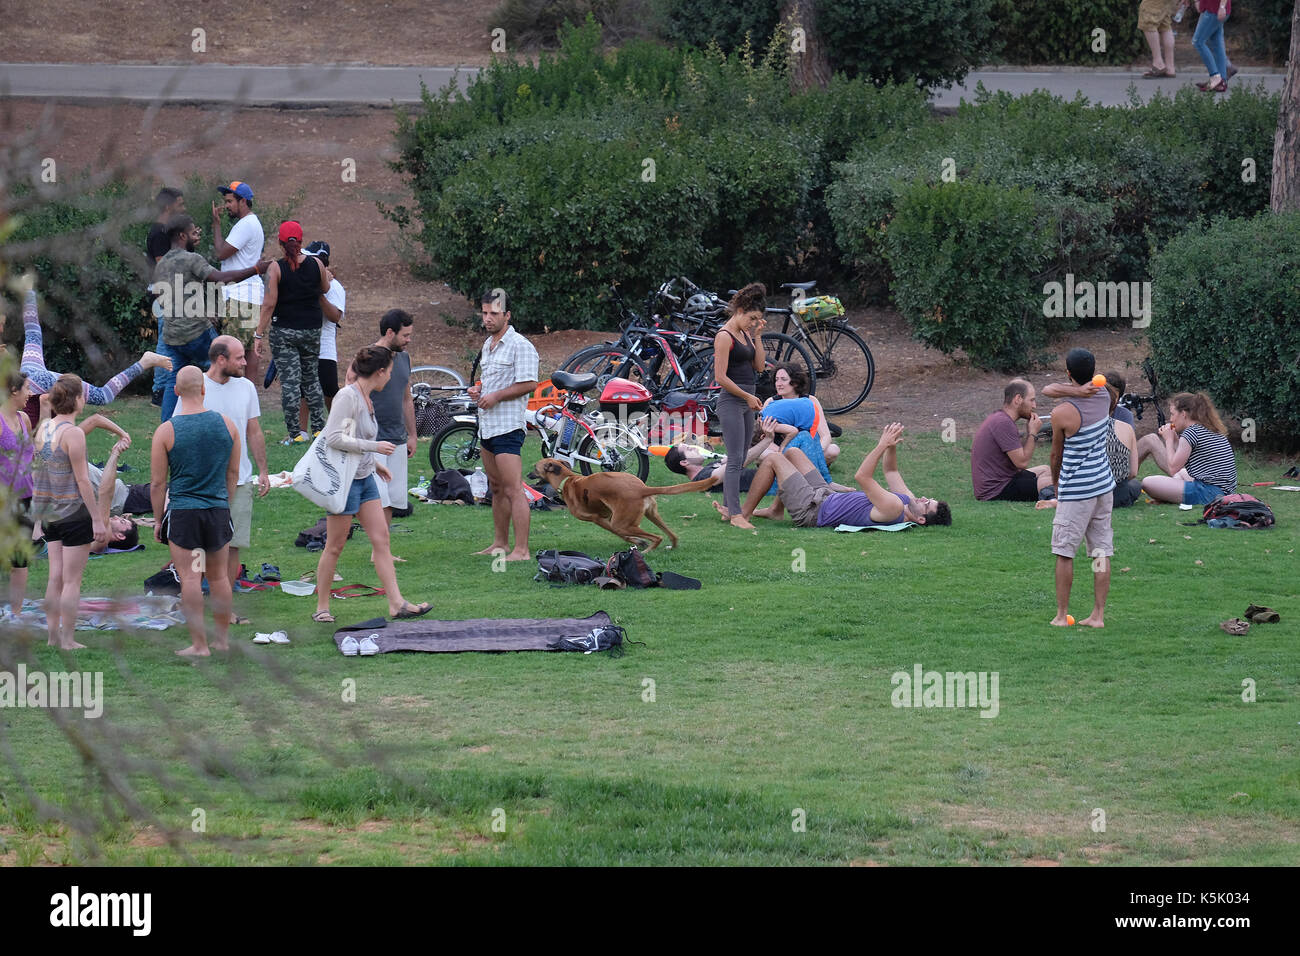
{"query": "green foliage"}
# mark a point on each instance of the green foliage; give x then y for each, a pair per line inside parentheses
(1226, 298)
(1265, 27)
(1061, 31)
(723, 22)
(930, 42)
(538, 22)
(540, 181)
(969, 260)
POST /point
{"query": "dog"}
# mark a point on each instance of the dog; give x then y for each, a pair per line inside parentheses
(614, 500)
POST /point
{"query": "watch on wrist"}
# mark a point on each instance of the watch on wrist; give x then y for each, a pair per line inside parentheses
(258, 335)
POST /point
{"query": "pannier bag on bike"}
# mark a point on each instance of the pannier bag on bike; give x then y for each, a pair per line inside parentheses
(818, 307)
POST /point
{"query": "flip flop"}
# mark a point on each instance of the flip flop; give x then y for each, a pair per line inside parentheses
(237, 621)
(416, 610)
(1236, 627)
(357, 590)
(1154, 74)
(323, 617)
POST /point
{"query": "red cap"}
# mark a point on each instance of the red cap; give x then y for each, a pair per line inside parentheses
(290, 230)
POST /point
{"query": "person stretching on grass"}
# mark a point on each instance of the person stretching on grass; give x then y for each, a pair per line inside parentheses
(198, 451)
(813, 503)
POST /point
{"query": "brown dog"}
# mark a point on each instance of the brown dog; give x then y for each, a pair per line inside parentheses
(614, 500)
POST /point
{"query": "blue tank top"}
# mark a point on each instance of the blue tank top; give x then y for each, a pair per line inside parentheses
(198, 460)
(798, 412)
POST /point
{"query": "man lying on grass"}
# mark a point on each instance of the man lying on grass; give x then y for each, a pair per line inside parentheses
(813, 503)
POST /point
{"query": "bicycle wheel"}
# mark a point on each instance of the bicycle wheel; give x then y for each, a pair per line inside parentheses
(845, 369)
(783, 350)
(622, 453)
(456, 446)
(439, 378)
(608, 361)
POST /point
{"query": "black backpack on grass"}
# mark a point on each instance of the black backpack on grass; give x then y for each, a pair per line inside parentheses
(1246, 510)
(567, 567)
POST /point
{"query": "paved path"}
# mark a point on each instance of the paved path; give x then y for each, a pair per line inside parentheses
(382, 85)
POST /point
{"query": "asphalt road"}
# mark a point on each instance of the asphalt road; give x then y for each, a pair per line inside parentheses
(384, 85)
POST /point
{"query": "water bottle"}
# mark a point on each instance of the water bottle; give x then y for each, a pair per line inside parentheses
(1178, 17)
(478, 483)
(421, 489)
(542, 420)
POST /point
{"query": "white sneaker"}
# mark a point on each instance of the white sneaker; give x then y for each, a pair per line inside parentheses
(368, 647)
(278, 637)
(261, 638)
(349, 646)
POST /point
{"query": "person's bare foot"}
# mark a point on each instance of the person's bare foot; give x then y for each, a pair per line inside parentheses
(1045, 503)
(1060, 621)
(493, 550)
(739, 521)
(517, 555)
(396, 559)
(1091, 621)
(193, 652)
(153, 360)
(222, 646)
(717, 506)
(764, 513)
(74, 646)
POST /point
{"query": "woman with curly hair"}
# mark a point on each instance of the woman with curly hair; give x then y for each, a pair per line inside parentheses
(1192, 451)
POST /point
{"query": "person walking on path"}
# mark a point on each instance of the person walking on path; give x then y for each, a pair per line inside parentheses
(737, 360)
(352, 429)
(1208, 40)
(194, 467)
(291, 311)
(1155, 20)
(509, 364)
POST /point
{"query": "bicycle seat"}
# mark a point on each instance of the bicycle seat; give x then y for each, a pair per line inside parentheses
(806, 286)
(574, 383)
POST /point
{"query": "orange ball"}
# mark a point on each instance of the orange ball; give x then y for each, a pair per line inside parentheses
(1099, 381)
(1069, 619)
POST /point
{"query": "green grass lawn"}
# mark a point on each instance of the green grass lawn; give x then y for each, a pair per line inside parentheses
(755, 726)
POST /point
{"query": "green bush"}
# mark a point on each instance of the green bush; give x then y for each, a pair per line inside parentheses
(1265, 27)
(1061, 31)
(1226, 302)
(741, 169)
(936, 41)
(530, 23)
(724, 22)
(970, 261)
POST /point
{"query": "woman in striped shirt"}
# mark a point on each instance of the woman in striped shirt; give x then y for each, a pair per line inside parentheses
(1191, 450)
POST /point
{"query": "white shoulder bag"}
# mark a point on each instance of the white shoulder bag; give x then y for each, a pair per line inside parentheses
(324, 475)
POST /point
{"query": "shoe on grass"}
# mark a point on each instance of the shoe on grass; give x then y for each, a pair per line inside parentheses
(367, 646)
(261, 638)
(349, 646)
(278, 637)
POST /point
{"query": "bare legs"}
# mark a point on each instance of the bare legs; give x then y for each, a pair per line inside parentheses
(1100, 589)
(63, 593)
(509, 506)
(371, 516)
(190, 566)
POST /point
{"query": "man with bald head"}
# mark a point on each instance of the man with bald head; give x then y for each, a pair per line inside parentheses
(999, 457)
(227, 391)
(194, 468)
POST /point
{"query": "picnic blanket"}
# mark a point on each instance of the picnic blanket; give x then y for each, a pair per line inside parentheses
(150, 613)
(479, 634)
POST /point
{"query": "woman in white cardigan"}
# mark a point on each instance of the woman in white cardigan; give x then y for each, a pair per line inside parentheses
(352, 429)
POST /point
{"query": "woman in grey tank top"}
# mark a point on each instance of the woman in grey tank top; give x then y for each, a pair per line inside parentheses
(738, 357)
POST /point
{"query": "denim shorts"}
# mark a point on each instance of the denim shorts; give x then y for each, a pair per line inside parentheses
(1199, 493)
(362, 490)
(511, 443)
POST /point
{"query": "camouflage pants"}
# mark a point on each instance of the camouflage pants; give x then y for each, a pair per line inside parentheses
(296, 352)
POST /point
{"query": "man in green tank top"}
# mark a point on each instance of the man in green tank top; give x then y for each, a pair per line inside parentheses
(195, 458)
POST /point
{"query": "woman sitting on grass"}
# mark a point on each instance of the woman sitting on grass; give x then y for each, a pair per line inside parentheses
(352, 429)
(1192, 451)
(801, 418)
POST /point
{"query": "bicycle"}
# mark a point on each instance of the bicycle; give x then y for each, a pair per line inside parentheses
(1136, 403)
(582, 441)
(428, 383)
(845, 367)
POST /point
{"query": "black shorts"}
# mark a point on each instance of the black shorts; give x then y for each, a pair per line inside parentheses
(199, 529)
(73, 531)
(1023, 487)
(328, 370)
(139, 500)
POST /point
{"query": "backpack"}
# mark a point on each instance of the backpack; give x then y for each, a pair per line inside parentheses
(1244, 511)
(313, 538)
(450, 485)
(608, 637)
(631, 568)
(167, 581)
(567, 567)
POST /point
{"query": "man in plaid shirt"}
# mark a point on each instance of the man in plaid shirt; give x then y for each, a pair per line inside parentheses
(509, 369)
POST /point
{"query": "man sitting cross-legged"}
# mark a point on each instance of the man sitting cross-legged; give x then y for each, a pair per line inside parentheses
(813, 503)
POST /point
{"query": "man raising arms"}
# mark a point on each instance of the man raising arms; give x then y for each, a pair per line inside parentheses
(509, 369)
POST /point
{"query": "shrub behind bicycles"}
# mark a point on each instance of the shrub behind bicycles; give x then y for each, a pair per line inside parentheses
(1226, 302)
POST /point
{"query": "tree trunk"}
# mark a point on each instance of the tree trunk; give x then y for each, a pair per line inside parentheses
(808, 64)
(1286, 145)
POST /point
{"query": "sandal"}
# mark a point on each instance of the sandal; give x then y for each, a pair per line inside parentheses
(269, 573)
(410, 610)
(323, 617)
(1263, 615)
(237, 621)
(1154, 74)
(1235, 627)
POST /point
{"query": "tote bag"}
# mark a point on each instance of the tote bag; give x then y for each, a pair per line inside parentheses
(324, 475)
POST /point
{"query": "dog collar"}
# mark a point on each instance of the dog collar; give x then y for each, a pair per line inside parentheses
(562, 481)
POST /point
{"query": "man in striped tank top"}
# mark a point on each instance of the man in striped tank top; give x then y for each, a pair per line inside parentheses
(1084, 484)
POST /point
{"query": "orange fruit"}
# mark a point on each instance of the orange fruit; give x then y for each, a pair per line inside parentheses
(1099, 380)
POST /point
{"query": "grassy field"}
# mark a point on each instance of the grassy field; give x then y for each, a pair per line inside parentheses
(754, 727)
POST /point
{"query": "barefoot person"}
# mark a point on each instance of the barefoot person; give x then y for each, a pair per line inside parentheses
(737, 360)
(1193, 452)
(16, 450)
(64, 502)
(352, 428)
(194, 465)
(509, 364)
(1081, 473)
(42, 379)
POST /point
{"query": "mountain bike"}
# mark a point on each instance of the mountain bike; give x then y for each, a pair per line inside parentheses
(843, 362)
